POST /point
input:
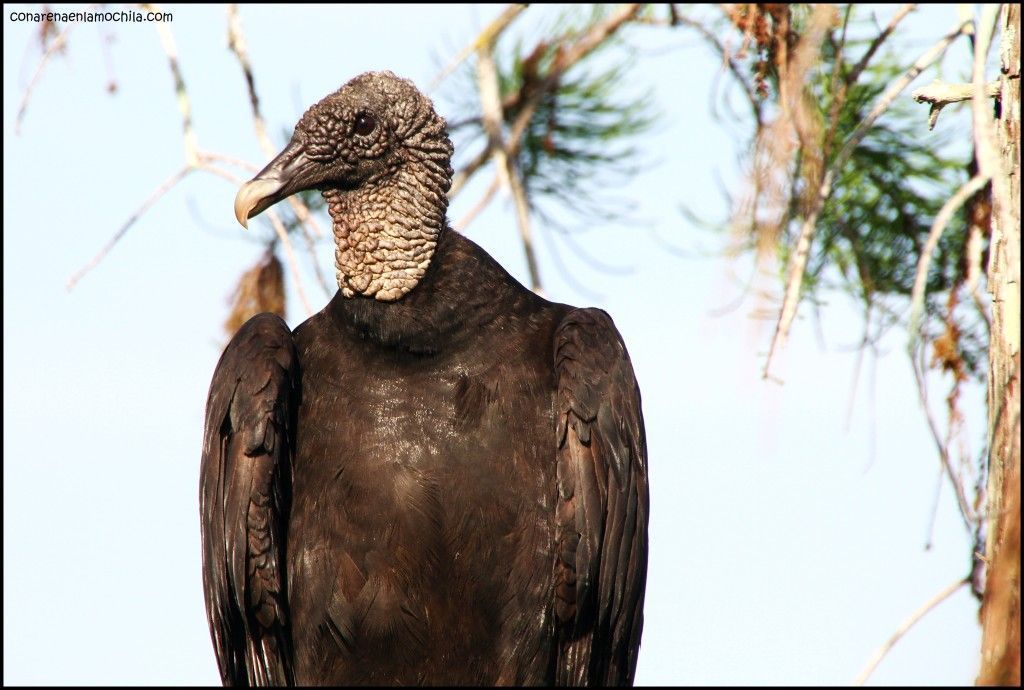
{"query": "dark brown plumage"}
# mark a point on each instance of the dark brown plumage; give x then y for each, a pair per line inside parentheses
(441, 477)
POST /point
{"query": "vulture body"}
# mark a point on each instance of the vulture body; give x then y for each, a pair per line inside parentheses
(441, 477)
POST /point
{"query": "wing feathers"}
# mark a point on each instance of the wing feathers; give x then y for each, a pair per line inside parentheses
(244, 492)
(601, 518)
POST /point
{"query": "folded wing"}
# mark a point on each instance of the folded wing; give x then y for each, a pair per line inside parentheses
(245, 489)
(602, 504)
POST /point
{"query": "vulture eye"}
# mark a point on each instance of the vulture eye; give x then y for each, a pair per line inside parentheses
(365, 124)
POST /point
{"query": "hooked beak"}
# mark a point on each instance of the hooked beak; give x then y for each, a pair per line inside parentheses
(283, 176)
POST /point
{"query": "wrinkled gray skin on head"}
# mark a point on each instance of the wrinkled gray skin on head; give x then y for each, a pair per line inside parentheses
(382, 159)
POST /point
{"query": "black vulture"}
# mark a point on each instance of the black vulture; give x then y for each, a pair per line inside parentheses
(438, 479)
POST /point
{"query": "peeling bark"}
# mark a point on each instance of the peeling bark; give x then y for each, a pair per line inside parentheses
(1000, 611)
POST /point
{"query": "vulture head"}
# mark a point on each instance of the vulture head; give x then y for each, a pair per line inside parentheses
(381, 157)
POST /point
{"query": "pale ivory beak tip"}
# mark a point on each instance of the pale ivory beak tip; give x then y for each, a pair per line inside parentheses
(255, 196)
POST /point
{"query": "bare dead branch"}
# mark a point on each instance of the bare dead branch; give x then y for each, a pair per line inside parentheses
(905, 626)
(55, 46)
(943, 93)
(798, 263)
(282, 236)
(184, 103)
(164, 187)
(468, 170)
(565, 60)
(523, 220)
(865, 343)
(206, 156)
(947, 464)
(293, 264)
(237, 44)
(487, 37)
(321, 279)
(902, 12)
(940, 94)
(480, 205)
(942, 219)
(934, 513)
(503, 150)
(727, 59)
(490, 101)
(839, 87)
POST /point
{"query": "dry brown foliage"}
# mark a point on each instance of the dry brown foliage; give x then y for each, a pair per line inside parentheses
(260, 289)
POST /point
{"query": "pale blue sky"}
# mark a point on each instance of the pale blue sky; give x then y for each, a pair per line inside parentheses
(786, 545)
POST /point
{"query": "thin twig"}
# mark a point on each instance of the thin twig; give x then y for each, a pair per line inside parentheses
(311, 248)
(905, 626)
(924, 262)
(468, 170)
(236, 42)
(282, 236)
(523, 220)
(237, 45)
(480, 205)
(55, 46)
(935, 509)
(798, 263)
(922, 392)
(184, 103)
(939, 94)
(864, 343)
(943, 93)
(727, 60)
(150, 200)
(205, 156)
(487, 37)
(839, 87)
(902, 12)
(564, 60)
(490, 101)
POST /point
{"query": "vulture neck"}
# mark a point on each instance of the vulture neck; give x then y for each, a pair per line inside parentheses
(462, 292)
(386, 230)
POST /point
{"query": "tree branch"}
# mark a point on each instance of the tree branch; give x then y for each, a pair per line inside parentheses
(902, 12)
(282, 236)
(55, 46)
(236, 42)
(727, 60)
(490, 101)
(940, 94)
(798, 263)
(184, 103)
(528, 102)
(157, 194)
(947, 464)
(905, 626)
(942, 219)
(480, 205)
(487, 37)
